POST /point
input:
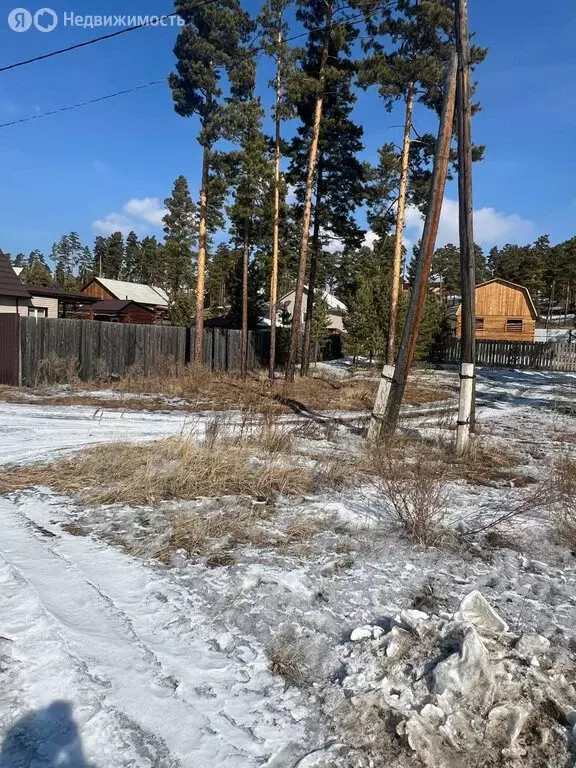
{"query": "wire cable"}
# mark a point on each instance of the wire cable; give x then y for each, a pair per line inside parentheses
(84, 103)
(263, 48)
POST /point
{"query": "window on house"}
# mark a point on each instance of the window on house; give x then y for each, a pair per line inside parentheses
(479, 323)
(514, 325)
(37, 312)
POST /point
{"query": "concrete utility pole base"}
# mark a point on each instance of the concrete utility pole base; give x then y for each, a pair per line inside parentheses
(381, 402)
(465, 408)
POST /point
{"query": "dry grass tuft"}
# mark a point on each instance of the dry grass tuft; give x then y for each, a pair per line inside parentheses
(198, 534)
(57, 370)
(288, 659)
(560, 495)
(485, 463)
(211, 390)
(173, 468)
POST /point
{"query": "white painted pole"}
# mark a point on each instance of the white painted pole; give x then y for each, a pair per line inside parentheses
(381, 402)
(465, 408)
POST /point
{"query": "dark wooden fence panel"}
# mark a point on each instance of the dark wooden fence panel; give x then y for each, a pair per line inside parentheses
(56, 348)
(10, 349)
(547, 356)
(52, 349)
(91, 349)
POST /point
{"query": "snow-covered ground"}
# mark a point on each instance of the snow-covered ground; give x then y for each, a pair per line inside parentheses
(111, 660)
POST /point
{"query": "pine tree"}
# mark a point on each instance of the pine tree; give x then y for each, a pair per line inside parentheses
(209, 49)
(275, 31)
(446, 267)
(310, 13)
(19, 260)
(100, 255)
(36, 271)
(131, 266)
(179, 237)
(85, 264)
(252, 184)
(218, 282)
(255, 302)
(409, 49)
(320, 325)
(340, 175)
(523, 264)
(361, 329)
(63, 257)
(114, 256)
(150, 269)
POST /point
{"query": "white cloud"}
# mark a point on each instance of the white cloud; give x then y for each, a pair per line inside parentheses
(113, 222)
(491, 227)
(148, 209)
(140, 215)
(369, 238)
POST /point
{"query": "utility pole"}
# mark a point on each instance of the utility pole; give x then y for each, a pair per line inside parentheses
(393, 384)
(466, 410)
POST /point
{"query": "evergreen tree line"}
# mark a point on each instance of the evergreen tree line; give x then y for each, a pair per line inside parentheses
(277, 211)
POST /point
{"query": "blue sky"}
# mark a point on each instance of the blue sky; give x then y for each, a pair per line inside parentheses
(110, 165)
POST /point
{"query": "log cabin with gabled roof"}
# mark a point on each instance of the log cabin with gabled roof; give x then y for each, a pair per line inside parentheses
(504, 312)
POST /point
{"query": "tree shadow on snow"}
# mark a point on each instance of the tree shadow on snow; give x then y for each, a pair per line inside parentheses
(48, 738)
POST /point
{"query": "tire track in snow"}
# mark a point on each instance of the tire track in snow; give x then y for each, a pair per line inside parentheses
(128, 648)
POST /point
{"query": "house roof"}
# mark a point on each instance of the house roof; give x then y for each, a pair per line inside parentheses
(10, 283)
(333, 303)
(53, 291)
(114, 306)
(138, 292)
(525, 291)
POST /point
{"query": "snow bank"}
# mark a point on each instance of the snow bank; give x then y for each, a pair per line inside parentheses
(459, 689)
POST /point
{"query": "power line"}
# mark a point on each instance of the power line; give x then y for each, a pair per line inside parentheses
(124, 31)
(263, 48)
(83, 103)
(93, 40)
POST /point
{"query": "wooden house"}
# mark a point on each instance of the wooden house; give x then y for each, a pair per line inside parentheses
(147, 296)
(504, 312)
(113, 311)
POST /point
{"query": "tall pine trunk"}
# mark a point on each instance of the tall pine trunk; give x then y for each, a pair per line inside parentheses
(276, 230)
(305, 367)
(200, 280)
(245, 254)
(307, 214)
(400, 217)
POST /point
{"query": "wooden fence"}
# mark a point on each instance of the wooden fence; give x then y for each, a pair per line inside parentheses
(56, 349)
(547, 356)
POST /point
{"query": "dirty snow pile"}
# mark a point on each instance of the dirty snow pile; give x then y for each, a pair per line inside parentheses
(456, 690)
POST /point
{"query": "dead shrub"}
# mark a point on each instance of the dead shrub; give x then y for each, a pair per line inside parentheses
(413, 494)
(54, 369)
(173, 468)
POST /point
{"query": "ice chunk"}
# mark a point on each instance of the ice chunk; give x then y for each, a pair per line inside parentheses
(361, 633)
(476, 610)
(466, 674)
